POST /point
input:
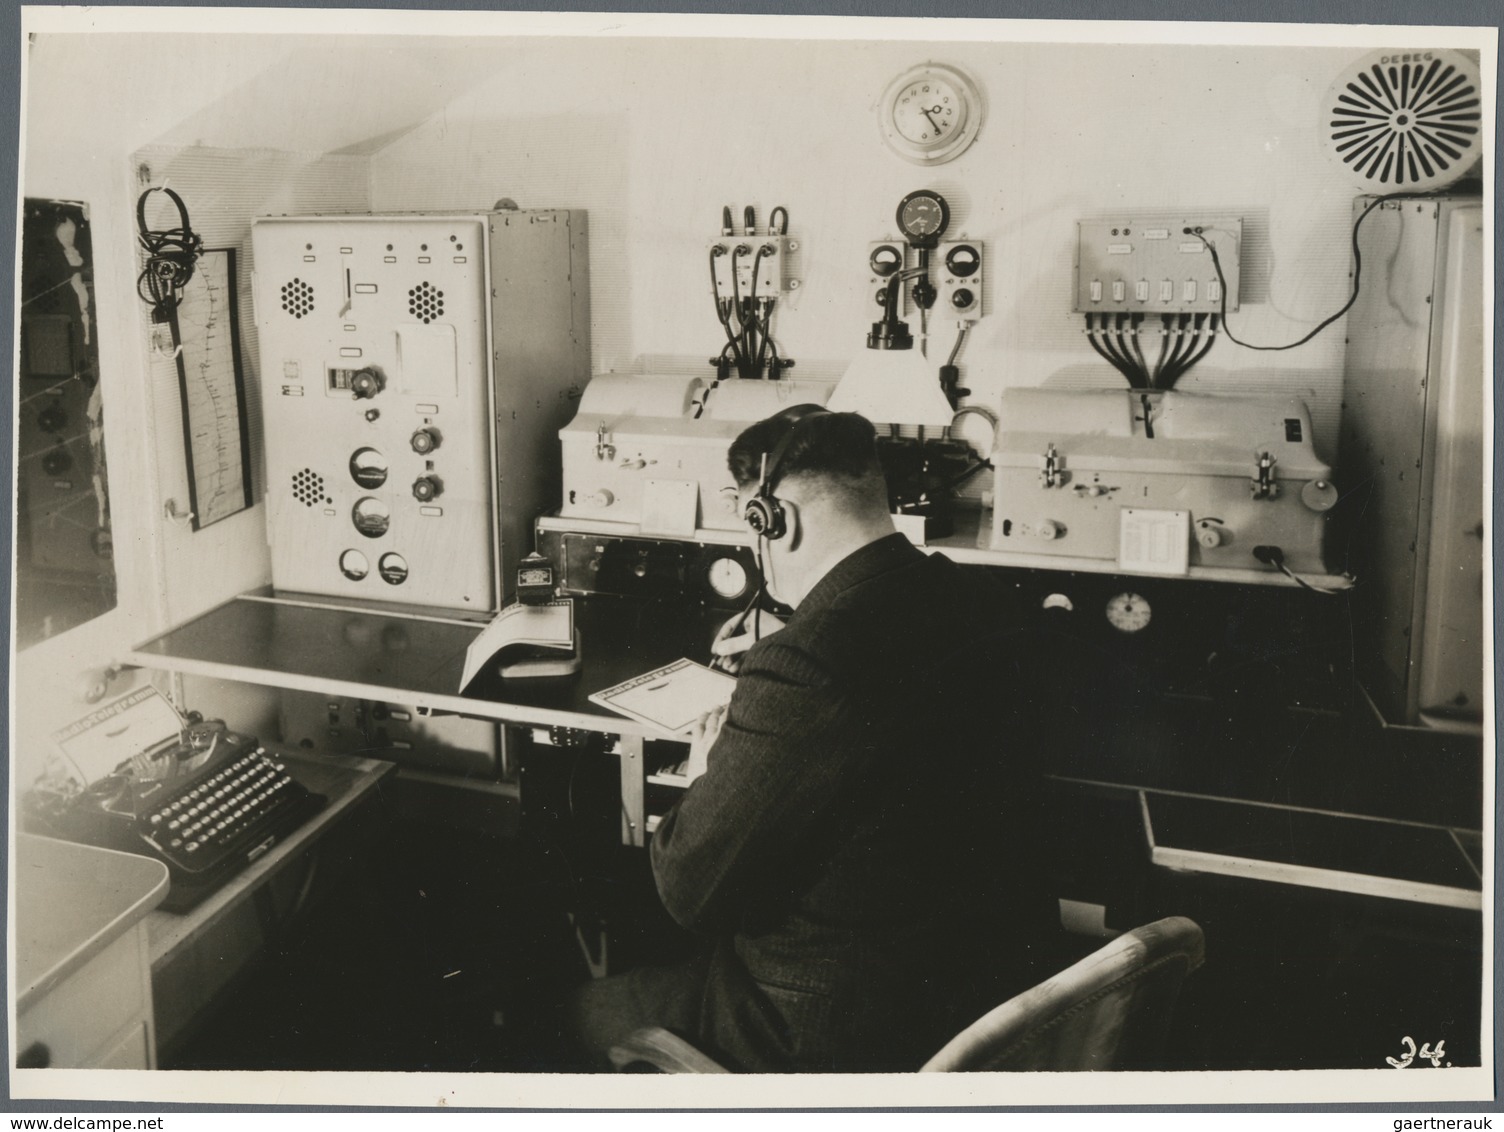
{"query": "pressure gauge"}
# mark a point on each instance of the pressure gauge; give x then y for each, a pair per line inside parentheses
(727, 578)
(922, 217)
(930, 114)
(1128, 613)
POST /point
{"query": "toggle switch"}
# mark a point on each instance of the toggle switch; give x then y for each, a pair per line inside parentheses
(1096, 290)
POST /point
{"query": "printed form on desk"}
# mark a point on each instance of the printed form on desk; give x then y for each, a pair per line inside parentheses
(670, 698)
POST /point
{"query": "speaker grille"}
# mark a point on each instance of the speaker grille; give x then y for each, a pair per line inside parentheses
(425, 301)
(297, 298)
(1406, 121)
(308, 488)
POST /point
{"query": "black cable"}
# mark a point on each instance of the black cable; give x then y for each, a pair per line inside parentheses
(1141, 363)
(1347, 306)
(783, 229)
(1177, 351)
(1091, 336)
(1126, 349)
(724, 307)
(1211, 340)
(1164, 349)
(956, 349)
(1274, 556)
(1192, 344)
(1104, 347)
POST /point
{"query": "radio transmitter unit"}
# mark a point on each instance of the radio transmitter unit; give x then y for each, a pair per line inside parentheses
(416, 370)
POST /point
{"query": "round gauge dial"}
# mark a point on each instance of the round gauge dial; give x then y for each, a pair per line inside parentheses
(1128, 613)
(930, 113)
(727, 577)
(922, 217)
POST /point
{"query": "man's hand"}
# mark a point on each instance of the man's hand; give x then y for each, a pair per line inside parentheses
(736, 637)
(701, 739)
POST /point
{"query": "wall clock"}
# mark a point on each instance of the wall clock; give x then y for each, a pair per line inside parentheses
(930, 113)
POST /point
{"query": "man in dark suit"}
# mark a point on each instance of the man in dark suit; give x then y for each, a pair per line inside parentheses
(860, 849)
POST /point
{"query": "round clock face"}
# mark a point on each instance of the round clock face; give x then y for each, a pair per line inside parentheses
(929, 109)
(1128, 613)
(931, 113)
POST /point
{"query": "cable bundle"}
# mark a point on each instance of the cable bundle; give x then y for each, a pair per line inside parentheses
(170, 256)
(1118, 344)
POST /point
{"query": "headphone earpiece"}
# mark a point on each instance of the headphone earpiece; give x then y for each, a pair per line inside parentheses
(764, 513)
(765, 516)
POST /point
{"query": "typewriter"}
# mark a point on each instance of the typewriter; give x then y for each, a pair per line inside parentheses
(203, 800)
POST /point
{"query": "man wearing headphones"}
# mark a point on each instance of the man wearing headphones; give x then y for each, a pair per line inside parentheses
(860, 843)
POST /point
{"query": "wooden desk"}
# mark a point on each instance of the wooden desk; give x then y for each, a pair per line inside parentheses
(195, 957)
(417, 657)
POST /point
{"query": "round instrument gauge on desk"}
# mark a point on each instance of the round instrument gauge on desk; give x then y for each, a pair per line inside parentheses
(1128, 613)
(727, 578)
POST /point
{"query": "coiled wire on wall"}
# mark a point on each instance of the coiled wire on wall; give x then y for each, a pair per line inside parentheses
(170, 256)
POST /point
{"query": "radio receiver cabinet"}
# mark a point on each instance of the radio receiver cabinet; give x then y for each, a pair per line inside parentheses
(416, 370)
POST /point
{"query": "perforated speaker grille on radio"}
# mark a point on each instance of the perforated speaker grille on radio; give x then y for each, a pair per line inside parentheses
(425, 301)
(308, 488)
(1406, 121)
(297, 298)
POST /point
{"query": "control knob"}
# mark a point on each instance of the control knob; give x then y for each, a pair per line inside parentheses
(425, 440)
(365, 384)
(427, 488)
(57, 461)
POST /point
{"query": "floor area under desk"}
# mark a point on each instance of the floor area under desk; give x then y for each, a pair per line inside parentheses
(442, 955)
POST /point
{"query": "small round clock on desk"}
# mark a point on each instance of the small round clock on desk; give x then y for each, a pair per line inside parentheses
(930, 114)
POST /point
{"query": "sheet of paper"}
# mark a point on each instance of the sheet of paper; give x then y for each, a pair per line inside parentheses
(1154, 542)
(670, 698)
(550, 625)
(119, 730)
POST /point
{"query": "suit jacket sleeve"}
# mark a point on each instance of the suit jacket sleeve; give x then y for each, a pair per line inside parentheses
(734, 837)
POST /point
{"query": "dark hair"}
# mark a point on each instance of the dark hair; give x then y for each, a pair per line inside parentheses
(838, 447)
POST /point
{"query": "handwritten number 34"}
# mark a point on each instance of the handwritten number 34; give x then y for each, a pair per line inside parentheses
(1425, 1052)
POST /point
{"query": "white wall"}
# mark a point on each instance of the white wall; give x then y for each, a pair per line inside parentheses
(652, 137)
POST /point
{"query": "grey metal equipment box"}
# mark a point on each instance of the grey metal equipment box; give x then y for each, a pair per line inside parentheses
(415, 372)
(1412, 441)
(1160, 482)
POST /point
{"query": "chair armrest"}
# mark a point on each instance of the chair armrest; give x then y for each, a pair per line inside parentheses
(666, 1052)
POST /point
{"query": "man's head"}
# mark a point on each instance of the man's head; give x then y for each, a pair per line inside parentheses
(823, 497)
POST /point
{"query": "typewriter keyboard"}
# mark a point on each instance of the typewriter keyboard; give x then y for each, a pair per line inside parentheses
(223, 807)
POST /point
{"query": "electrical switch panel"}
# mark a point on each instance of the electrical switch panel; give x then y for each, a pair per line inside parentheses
(1159, 266)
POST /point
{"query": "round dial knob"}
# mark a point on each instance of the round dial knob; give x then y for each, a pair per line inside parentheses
(427, 488)
(365, 384)
(425, 440)
(53, 418)
(57, 461)
(962, 298)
